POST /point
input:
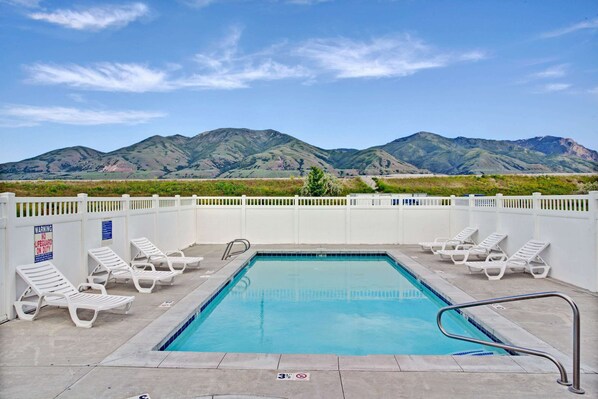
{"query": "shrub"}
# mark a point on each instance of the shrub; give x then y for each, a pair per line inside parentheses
(320, 184)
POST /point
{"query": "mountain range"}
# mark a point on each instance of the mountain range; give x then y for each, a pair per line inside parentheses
(245, 153)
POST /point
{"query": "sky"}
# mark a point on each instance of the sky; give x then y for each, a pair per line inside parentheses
(334, 73)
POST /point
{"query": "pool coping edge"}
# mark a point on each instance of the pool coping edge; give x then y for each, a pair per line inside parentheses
(141, 349)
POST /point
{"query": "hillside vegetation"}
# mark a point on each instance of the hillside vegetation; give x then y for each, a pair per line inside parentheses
(143, 188)
(442, 186)
(491, 185)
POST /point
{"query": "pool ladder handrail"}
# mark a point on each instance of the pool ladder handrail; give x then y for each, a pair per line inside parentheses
(575, 387)
(227, 252)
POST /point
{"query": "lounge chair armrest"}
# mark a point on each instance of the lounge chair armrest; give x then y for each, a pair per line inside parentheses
(93, 286)
(179, 253)
(464, 246)
(441, 239)
(152, 257)
(53, 294)
(143, 266)
(496, 257)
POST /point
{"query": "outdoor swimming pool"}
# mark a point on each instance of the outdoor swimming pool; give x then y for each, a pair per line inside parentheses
(325, 304)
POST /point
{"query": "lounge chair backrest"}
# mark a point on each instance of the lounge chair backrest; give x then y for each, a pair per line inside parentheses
(529, 251)
(108, 258)
(491, 241)
(44, 278)
(146, 248)
(466, 234)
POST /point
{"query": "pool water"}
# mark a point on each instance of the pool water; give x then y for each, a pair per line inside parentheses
(343, 305)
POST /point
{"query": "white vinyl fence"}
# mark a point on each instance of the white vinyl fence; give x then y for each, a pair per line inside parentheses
(79, 223)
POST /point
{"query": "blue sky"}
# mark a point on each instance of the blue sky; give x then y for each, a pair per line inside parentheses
(336, 73)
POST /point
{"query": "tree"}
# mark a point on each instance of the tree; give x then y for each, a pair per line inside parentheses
(320, 184)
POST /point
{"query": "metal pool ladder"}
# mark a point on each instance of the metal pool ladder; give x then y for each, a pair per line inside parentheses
(227, 252)
(575, 387)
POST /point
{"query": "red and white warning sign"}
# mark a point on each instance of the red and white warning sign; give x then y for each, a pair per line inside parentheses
(292, 376)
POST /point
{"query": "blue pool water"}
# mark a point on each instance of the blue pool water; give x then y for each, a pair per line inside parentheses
(343, 305)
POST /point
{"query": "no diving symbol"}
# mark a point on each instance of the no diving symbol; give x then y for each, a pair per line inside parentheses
(292, 376)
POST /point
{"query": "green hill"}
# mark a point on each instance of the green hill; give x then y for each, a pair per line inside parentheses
(245, 153)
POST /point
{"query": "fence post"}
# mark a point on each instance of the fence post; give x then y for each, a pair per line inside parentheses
(156, 207)
(593, 220)
(471, 205)
(296, 220)
(177, 204)
(243, 213)
(401, 238)
(126, 201)
(535, 210)
(9, 269)
(194, 202)
(452, 214)
(82, 210)
(348, 220)
(499, 207)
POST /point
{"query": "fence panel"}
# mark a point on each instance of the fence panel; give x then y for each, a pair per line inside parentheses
(569, 223)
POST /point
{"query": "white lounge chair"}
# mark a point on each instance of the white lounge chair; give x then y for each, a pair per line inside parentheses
(441, 243)
(51, 287)
(462, 253)
(527, 258)
(151, 253)
(110, 266)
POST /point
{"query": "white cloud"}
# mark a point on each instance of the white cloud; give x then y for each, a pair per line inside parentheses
(22, 3)
(103, 77)
(380, 57)
(594, 90)
(224, 68)
(589, 24)
(228, 68)
(31, 115)
(557, 71)
(95, 18)
(238, 78)
(554, 87)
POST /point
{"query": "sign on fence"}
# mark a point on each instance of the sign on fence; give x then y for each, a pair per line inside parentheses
(43, 244)
(106, 232)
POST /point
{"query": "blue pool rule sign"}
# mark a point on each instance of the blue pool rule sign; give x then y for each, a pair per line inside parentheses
(106, 230)
(43, 243)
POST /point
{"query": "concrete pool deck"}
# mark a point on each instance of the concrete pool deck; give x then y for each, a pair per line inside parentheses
(51, 358)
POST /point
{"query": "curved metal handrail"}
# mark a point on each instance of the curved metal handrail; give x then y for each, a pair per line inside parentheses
(227, 252)
(575, 387)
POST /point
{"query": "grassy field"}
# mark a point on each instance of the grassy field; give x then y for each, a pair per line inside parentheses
(491, 185)
(140, 188)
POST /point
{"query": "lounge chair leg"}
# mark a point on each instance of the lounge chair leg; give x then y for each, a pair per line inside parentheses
(498, 276)
(128, 307)
(20, 309)
(543, 274)
(142, 289)
(82, 323)
(462, 261)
